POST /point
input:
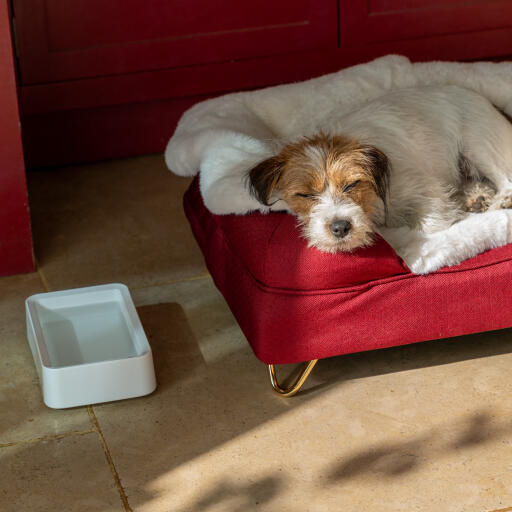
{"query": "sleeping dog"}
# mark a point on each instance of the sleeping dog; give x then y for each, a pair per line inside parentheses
(421, 157)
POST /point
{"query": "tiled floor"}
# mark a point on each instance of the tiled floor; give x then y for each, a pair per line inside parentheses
(426, 427)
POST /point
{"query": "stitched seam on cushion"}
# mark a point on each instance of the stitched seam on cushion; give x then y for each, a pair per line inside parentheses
(293, 291)
(227, 243)
(366, 286)
(332, 291)
(269, 242)
(359, 288)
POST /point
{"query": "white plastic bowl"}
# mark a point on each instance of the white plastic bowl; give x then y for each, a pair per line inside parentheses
(89, 346)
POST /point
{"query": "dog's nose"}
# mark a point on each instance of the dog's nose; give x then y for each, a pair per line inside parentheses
(340, 228)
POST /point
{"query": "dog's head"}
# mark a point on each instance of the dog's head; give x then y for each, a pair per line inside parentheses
(335, 186)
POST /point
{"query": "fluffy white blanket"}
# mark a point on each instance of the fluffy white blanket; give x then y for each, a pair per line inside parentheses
(224, 137)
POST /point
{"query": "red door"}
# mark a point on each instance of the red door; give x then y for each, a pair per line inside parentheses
(15, 238)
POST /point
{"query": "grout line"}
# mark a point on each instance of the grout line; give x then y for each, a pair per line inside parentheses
(96, 425)
(174, 281)
(42, 278)
(52, 437)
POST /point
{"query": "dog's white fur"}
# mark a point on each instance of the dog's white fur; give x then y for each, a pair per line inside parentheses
(328, 210)
(224, 137)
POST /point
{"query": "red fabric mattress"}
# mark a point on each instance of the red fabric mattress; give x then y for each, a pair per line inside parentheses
(295, 303)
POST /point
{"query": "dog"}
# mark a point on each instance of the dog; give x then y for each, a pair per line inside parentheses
(422, 157)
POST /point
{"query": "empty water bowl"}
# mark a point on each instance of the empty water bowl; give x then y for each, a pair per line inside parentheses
(89, 346)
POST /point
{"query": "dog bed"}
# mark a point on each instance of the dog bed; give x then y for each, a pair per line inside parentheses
(224, 137)
(295, 304)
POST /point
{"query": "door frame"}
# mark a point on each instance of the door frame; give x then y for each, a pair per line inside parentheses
(16, 254)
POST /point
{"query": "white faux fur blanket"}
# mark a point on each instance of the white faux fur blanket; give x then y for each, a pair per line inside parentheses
(224, 137)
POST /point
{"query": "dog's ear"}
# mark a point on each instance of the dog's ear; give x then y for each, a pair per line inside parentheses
(378, 165)
(264, 177)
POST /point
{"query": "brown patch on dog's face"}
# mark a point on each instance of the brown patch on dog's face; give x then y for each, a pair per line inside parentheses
(303, 173)
(358, 172)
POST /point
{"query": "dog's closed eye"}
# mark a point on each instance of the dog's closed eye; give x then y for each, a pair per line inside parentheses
(349, 187)
(306, 196)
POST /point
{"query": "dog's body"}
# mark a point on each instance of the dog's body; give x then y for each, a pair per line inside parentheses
(421, 157)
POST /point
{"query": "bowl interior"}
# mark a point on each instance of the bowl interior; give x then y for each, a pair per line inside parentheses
(87, 328)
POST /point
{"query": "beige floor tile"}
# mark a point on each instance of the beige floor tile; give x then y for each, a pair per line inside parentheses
(69, 474)
(426, 427)
(200, 308)
(118, 221)
(23, 414)
(13, 292)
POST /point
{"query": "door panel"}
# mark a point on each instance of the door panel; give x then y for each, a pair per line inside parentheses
(69, 39)
(375, 21)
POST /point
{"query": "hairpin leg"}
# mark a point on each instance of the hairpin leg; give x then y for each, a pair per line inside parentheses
(299, 381)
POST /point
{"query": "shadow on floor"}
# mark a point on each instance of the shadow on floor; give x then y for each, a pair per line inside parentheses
(234, 496)
(395, 459)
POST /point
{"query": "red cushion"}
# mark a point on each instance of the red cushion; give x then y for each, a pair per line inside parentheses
(276, 254)
(295, 303)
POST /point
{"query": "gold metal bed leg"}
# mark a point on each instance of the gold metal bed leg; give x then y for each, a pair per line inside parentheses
(299, 381)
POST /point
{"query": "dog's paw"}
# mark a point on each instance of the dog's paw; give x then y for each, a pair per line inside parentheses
(477, 204)
(425, 254)
(502, 200)
(506, 202)
(426, 262)
(415, 257)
